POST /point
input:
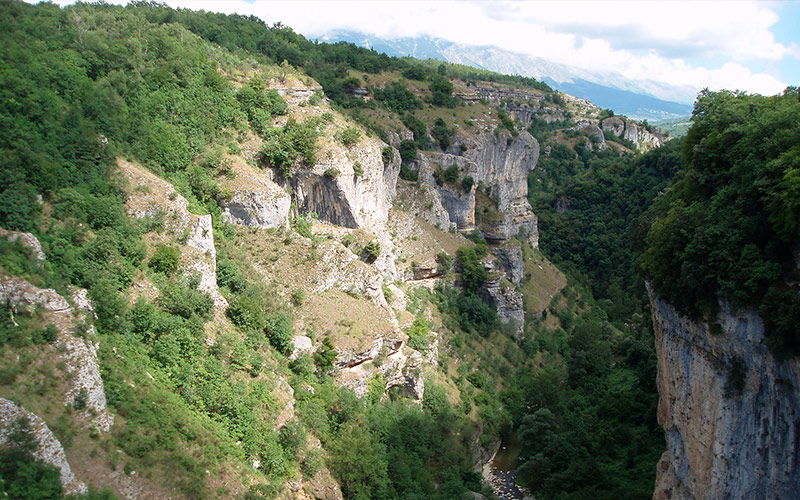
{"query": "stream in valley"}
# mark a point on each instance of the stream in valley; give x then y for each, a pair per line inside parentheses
(499, 471)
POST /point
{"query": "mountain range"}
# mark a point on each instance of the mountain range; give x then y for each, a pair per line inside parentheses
(642, 100)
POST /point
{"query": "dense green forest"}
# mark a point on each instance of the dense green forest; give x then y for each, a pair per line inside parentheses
(728, 226)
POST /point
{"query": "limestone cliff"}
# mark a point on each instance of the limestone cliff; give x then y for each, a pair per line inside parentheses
(634, 132)
(350, 187)
(730, 409)
(501, 163)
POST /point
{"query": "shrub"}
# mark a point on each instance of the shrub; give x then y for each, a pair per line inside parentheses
(358, 170)
(387, 155)
(408, 151)
(279, 331)
(298, 297)
(179, 299)
(444, 263)
(450, 174)
(302, 224)
(246, 310)
(165, 259)
(286, 145)
(46, 335)
(79, 403)
(467, 183)
(325, 356)
(441, 133)
(348, 136)
(292, 438)
(408, 174)
(331, 173)
(371, 251)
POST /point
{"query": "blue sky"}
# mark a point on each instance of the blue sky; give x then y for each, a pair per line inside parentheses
(744, 45)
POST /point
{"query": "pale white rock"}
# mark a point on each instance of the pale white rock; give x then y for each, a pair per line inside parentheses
(341, 197)
(18, 293)
(80, 358)
(425, 201)
(79, 354)
(597, 140)
(194, 231)
(27, 240)
(301, 344)
(636, 133)
(399, 300)
(502, 163)
(722, 443)
(265, 206)
(49, 449)
(80, 297)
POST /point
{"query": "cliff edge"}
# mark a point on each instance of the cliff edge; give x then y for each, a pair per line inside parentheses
(730, 409)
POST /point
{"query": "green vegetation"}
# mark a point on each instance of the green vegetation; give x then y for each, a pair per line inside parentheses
(727, 226)
(286, 146)
(91, 83)
(349, 136)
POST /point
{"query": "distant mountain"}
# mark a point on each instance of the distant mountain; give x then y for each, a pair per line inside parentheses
(642, 100)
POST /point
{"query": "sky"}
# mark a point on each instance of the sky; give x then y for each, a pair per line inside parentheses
(738, 45)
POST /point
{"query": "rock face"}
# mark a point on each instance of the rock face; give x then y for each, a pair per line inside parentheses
(266, 207)
(730, 409)
(401, 367)
(27, 240)
(49, 449)
(333, 191)
(510, 256)
(638, 134)
(596, 138)
(508, 301)
(502, 163)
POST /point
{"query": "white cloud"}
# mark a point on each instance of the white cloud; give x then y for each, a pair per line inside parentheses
(660, 41)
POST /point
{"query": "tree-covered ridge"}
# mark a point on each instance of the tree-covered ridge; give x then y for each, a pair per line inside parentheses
(727, 228)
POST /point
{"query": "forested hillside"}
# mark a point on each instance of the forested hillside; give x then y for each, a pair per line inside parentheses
(239, 264)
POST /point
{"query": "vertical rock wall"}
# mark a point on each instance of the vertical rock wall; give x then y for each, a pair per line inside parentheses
(729, 408)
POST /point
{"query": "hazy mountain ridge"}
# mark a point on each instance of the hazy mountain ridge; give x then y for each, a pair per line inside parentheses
(638, 99)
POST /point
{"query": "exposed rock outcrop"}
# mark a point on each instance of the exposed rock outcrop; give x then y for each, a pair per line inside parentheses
(399, 365)
(79, 354)
(27, 240)
(508, 302)
(49, 449)
(153, 197)
(512, 260)
(333, 190)
(597, 140)
(636, 133)
(730, 409)
(265, 206)
(502, 163)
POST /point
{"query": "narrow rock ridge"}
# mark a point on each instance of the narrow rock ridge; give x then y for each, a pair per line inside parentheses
(152, 196)
(79, 353)
(636, 133)
(730, 409)
(49, 449)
